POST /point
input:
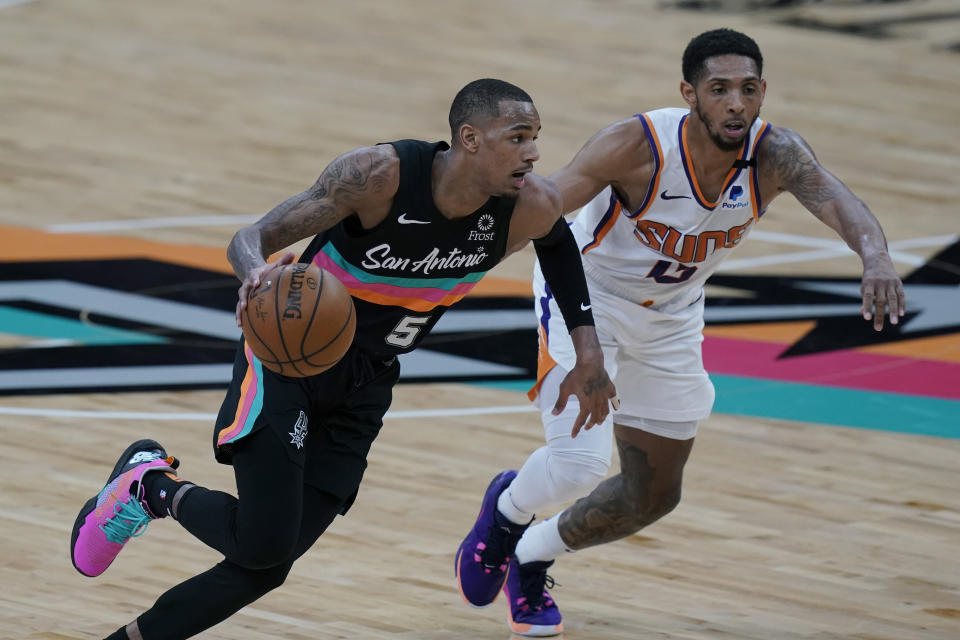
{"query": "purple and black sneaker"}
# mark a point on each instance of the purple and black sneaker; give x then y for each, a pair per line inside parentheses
(484, 555)
(533, 612)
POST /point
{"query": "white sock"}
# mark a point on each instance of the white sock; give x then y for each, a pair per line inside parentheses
(506, 507)
(541, 542)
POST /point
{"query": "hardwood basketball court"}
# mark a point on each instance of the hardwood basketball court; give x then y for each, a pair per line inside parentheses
(134, 128)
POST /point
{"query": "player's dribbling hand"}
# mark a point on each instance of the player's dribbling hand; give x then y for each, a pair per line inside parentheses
(882, 291)
(252, 281)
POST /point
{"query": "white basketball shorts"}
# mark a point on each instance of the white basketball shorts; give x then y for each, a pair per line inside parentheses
(653, 358)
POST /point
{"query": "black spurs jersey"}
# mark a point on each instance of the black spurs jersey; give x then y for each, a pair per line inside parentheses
(405, 272)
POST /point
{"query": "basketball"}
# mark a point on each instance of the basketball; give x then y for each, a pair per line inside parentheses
(300, 320)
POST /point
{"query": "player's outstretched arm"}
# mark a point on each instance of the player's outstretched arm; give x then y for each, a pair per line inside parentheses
(362, 181)
(792, 163)
(537, 218)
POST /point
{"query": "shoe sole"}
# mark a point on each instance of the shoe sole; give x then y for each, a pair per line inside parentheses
(533, 631)
(91, 504)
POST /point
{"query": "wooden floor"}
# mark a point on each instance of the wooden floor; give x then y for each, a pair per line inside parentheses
(127, 110)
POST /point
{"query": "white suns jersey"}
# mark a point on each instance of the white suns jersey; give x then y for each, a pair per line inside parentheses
(660, 255)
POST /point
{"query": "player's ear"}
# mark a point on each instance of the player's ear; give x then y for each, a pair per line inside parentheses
(469, 137)
(689, 93)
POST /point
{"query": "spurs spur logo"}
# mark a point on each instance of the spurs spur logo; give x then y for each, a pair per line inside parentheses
(299, 431)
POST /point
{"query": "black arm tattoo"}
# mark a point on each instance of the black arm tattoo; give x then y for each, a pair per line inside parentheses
(795, 167)
(618, 507)
(349, 181)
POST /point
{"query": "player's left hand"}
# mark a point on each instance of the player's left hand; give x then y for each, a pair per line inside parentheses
(882, 292)
(588, 380)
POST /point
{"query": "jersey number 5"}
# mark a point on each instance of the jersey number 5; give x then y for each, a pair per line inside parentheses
(659, 272)
(406, 331)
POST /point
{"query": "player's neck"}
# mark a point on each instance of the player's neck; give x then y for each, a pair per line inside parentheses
(456, 192)
(711, 164)
(704, 152)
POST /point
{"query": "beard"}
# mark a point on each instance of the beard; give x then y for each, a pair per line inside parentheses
(715, 137)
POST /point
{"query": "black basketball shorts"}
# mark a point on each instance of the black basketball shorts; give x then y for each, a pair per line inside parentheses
(327, 422)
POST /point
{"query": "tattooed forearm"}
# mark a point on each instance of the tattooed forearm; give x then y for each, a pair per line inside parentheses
(619, 506)
(244, 252)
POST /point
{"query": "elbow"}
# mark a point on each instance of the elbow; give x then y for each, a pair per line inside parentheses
(236, 242)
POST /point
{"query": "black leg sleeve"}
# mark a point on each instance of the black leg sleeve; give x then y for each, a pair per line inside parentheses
(258, 529)
(215, 595)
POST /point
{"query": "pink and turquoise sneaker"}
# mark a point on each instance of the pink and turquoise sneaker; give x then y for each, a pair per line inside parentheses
(533, 613)
(482, 559)
(113, 516)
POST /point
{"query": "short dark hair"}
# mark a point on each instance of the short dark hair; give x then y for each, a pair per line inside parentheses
(718, 42)
(481, 98)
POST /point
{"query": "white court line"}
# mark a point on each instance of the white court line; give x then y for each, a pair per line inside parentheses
(831, 248)
(151, 223)
(12, 3)
(809, 256)
(797, 240)
(929, 241)
(210, 417)
(836, 243)
(781, 258)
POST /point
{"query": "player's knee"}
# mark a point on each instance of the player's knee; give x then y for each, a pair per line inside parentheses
(648, 502)
(575, 474)
(265, 551)
(262, 581)
(666, 502)
(275, 576)
(259, 582)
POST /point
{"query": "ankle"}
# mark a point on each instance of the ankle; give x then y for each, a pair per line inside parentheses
(508, 508)
(162, 492)
(542, 542)
(119, 634)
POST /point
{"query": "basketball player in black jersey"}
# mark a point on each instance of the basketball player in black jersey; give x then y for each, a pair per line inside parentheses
(408, 227)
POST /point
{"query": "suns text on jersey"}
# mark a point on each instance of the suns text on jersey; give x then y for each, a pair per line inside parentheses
(687, 248)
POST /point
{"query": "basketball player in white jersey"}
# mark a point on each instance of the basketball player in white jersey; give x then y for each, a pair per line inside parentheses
(665, 197)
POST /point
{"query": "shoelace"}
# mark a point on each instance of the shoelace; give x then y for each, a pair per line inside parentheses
(129, 520)
(495, 552)
(533, 586)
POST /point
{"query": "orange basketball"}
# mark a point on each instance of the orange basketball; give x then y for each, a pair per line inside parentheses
(299, 321)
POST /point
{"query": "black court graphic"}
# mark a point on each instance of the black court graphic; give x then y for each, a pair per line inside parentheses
(115, 325)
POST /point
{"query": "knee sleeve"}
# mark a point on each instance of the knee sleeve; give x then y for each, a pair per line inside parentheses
(548, 478)
(574, 473)
(566, 468)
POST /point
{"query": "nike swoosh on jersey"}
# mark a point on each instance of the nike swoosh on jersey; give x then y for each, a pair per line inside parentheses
(403, 219)
(585, 307)
(664, 196)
